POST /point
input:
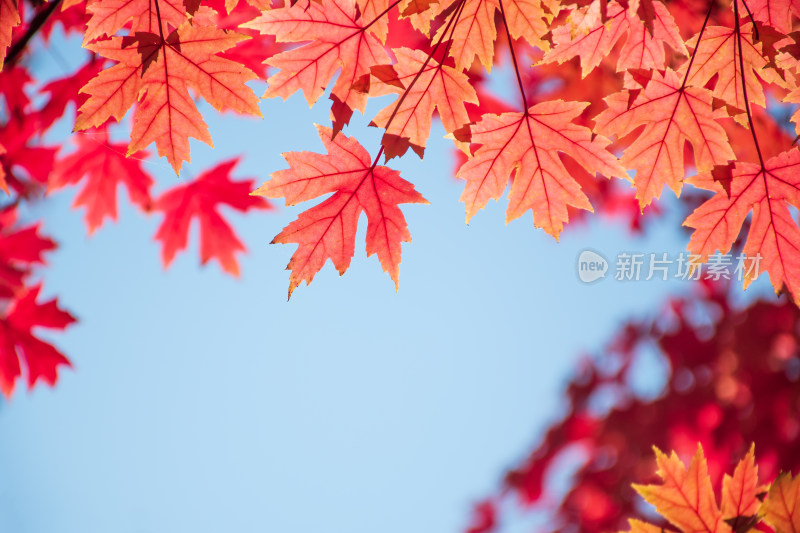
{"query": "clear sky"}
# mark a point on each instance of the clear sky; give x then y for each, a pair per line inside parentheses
(202, 403)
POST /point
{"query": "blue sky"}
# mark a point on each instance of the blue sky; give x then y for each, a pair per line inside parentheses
(204, 403)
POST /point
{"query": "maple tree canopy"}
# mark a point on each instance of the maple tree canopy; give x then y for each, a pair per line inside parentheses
(611, 102)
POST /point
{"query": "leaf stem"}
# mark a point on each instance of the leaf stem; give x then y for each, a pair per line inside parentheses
(514, 59)
(738, 30)
(456, 15)
(697, 44)
(381, 15)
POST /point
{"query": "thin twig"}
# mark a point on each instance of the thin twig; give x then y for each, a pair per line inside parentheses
(16, 49)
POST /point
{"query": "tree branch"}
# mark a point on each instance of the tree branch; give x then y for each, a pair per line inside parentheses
(16, 49)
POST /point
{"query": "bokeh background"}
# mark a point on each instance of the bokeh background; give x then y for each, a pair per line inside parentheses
(203, 403)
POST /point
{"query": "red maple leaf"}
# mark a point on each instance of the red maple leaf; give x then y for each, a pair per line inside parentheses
(527, 147)
(434, 86)
(199, 200)
(20, 250)
(773, 242)
(672, 115)
(158, 71)
(328, 230)
(105, 167)
(19, 343)
(339, 39)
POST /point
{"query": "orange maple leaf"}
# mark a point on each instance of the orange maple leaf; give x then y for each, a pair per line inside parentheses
(159, 71)
(741, 493)
(328, 230)
(776, 13)
(671, 115)
(527, 145)
(686, 497)
(339, 40)
(199, 200)
(718, 56)
(587, 36)
(782, 508)
(419, 12)
(474, 33)
(769, 192)
(434, 86)
(9, 17)
(109, 16)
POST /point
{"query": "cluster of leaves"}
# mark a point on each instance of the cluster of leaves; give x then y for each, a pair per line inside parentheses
(732, 380)
(603, 97)
(30, 168)
(685, 497)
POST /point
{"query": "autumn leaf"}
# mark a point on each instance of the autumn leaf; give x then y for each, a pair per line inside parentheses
(775, 13)
(200, 200)
(782, 508)
(328, 230)
(740, 495)
(527, 146)
(717, 56)
(21, 249)
(686, 497)
(671, 114)
(435, 86)
(20, 344)
(105, 167)
(588, 37)
(9, 17)
(159, 72)
(769, 192)
(151, 16)
(339, 40)
(63, 91)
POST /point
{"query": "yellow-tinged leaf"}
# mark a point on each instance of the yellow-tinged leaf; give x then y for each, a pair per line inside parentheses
(637, 526)
(782, 508)
(740, 493)
(686, 497)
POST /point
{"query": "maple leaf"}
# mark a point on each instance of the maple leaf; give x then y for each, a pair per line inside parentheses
(775, 13)
(339, 41)
(19, 342)
(64, 90)
(199, 200)
(159, 72)
(768, 192)
(20, 250)
(717, 56)
(782, 508)
(105, 167)
(328, 230)
(9, 17)
(740, 495)
(686, 497)
(474, 32)
(588, 37)
(527, 145)
(109, 16)
(24, 151)
(671, 115)
(434, 86)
